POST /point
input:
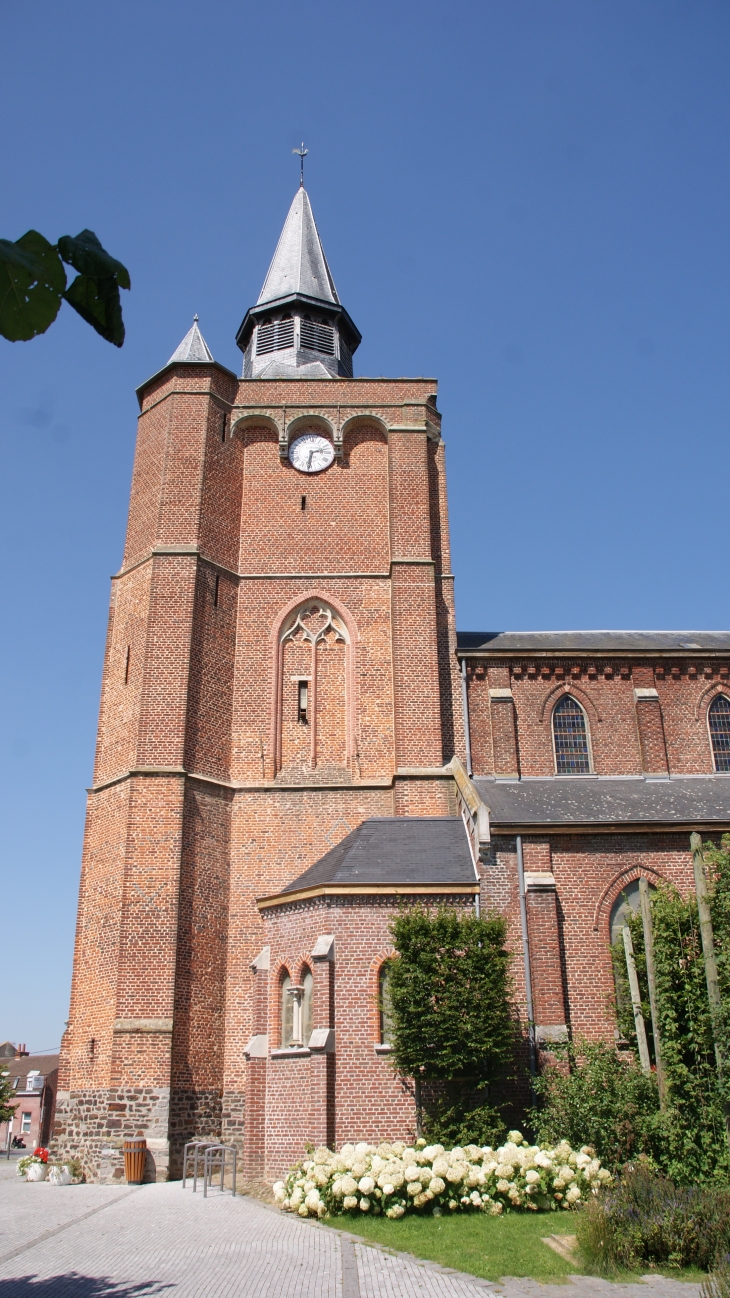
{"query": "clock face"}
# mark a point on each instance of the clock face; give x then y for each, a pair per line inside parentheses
(311, 453)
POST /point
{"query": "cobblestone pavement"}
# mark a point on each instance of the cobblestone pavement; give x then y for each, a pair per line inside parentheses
(95, 1241)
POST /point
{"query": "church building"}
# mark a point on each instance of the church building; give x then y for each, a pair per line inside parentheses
(295, 742)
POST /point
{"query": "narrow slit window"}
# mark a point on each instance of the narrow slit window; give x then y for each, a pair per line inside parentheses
(126, 664)
(287, 1011)
(308, 985)
(303, 702)
(571, 738)
(304, 502)
(385, 1006)
(216, 590)
(719, 719)
(223, 427)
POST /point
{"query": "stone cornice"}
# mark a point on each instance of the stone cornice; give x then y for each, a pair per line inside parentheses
(192, 551)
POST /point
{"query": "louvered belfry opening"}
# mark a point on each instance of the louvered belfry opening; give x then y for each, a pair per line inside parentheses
(274, 336)
(317, 337)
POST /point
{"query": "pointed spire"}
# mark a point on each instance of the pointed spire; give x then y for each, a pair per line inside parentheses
(299, 264)
(193, 347)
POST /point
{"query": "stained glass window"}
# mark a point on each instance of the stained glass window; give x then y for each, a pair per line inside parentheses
(720, 731)
(571, 738)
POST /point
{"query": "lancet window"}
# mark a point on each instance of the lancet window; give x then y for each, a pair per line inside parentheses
(385, 1005)
(719, 721)
(570, 736)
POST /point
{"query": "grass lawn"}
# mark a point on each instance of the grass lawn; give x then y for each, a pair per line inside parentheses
(490, 1247)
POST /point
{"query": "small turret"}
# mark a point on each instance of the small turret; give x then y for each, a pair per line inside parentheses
(192, 348)
(298, 328)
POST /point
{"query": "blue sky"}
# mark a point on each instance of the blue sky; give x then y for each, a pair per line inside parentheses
(527, 200)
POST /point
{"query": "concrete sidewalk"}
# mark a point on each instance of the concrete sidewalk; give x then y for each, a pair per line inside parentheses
(95, 1241)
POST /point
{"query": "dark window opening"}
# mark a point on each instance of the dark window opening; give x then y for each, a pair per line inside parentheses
(126, 665)
(719, 718)
(223, 427)
(217, 588)
(303, 702)
(304, 502)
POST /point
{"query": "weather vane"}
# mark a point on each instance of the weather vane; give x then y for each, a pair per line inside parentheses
(301, 154)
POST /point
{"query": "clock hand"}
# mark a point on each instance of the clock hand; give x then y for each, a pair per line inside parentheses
(309, 461)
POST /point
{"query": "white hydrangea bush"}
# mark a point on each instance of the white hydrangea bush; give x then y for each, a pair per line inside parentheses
(393, 1178)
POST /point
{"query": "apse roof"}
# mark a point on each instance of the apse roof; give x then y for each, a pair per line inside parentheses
(498, 642)
(299, 264)
(395, 850)
(586, 800)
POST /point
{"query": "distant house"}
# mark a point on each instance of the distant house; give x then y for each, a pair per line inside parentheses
(34, 1081)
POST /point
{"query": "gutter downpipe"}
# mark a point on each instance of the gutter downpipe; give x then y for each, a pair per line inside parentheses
(526, 958)
(467, 729)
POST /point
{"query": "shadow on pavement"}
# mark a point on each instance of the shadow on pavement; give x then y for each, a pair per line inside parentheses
(73, 1285)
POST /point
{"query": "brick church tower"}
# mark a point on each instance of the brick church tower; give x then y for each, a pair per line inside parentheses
(280, 667)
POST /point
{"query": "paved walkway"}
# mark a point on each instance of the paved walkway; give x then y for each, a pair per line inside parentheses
(95, 1241)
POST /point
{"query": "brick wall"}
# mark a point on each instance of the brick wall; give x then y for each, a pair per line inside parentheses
(630, 733)
(352, 1093)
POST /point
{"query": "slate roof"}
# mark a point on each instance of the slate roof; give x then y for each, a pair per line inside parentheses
(495, 642)
(299, 264)
(193, 348)
(701, 800)
(395, 850)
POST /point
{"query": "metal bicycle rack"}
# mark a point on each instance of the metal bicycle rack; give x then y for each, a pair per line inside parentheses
(194, 1150)
(215, 1154)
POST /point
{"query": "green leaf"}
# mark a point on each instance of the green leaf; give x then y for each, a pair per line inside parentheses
(97, 302)
(87, 256)
(32, 280)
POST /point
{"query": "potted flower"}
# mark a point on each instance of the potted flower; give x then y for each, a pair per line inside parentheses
(35, 1166)
(69, 1172)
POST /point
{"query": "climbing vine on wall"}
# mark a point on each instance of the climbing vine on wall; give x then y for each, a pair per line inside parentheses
(450, 998)
(693, 1145)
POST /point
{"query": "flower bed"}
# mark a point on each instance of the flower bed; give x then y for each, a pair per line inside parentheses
(394, 1178)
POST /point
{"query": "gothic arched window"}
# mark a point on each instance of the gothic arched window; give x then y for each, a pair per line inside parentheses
(719, 722)
(570, 736)
(314, 692)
